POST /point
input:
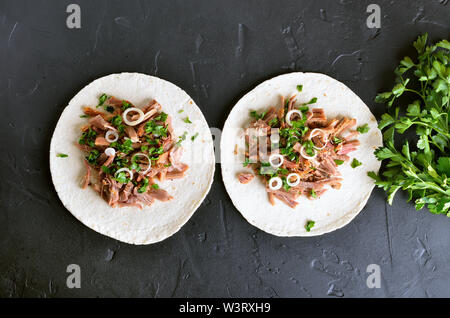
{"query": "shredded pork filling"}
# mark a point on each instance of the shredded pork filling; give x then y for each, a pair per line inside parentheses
(125, 170)
(311, 146)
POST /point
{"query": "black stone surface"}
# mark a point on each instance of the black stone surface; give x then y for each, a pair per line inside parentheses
(216, 51)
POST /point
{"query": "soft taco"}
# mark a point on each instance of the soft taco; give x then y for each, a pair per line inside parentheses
(295, 152)
(132, 157)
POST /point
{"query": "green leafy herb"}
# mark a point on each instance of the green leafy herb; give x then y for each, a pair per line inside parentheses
(312, 101)
(161, 117)
(337, 140)
(93, 156)
(125, 105)
(102, 99)
(355, 163)
(181, 138)
(299, 88)
(122, 177)
(313, 193)
(257, 116)
(194, 136)
(106, 170)
(309, 225)
(273, 122)
(422, 172)
(180, 111)
(143, 186)
(152, 128)
(363, 129)
(155, 186)
(84, 116)
(187, 121)
(338, 162)
(88, 138)
(125, 147)
(62, 155)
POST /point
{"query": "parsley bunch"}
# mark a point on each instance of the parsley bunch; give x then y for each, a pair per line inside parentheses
(424, 170)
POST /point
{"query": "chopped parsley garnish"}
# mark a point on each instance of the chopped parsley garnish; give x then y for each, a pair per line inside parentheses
(309, 147)
(181, 138)
(84, 116)
(286, 186)
(126, 147)
(273, 122)
(180, 111)
(309, 225)
(363, 129)
(338, 162)
(109, 109)
(246, 162)
(299, 88)
(125, 105)
(195, 136)
(313, 193)
(337, 140)
(257, 116)
(187, 121)
(106, 169)
(93, 156)
(152, 128)
(88, 138)
(161, 117)
(143, 186)
(62, 155)
(116, 121)
(144, 148)
(122, 177)
(155, 186)
(312, 101)
(355, 163)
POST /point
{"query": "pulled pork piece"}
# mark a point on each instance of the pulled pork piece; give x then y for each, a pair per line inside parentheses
(100, 123)
(245, 177)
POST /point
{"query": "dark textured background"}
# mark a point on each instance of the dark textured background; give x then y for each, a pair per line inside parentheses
(216, 51)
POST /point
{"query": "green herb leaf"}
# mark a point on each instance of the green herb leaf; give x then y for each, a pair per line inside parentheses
(363, 129)
(309, 225)
(62, 155)
(355, 163)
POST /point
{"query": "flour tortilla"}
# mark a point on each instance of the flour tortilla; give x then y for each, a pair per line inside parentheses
(335, 208)
(129, 224)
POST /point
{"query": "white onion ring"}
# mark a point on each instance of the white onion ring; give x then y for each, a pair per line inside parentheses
(110, 152)
(135, 122)
(289, 114)
(130, 173)
(296, 182)
(109, 133)
(149, 161)
(278, 181)
(280, 158)
(312, 135)
(305, 155)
